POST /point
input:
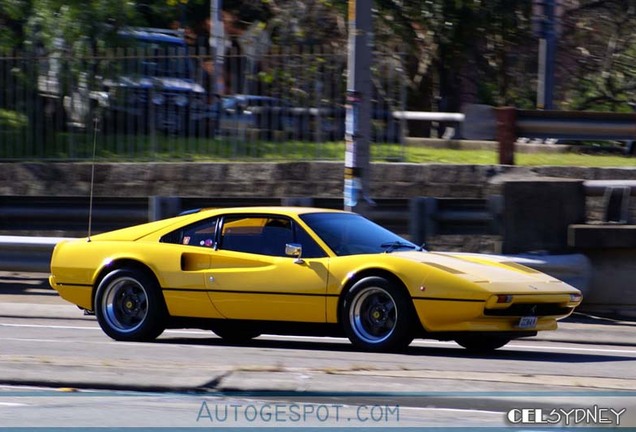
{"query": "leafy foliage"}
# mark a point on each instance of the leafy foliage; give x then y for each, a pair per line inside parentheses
(452, 51)
(597, 63)
(13, 119)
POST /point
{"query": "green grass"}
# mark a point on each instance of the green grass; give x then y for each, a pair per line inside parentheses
(487, 157)
(67, 146)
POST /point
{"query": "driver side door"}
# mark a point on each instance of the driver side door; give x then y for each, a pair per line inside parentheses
(251, 276)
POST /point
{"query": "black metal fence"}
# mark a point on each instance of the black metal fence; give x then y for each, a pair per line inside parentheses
(157, 101)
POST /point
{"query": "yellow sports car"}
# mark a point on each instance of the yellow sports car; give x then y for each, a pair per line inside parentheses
(241, 272)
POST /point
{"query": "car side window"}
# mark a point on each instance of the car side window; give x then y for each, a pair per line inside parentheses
(265, 235)
(202, 234)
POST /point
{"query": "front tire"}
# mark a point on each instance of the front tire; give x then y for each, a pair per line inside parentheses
(377, 315)
(129, 306)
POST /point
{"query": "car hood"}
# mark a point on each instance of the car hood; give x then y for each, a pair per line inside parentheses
(480, 268)
(164, 83)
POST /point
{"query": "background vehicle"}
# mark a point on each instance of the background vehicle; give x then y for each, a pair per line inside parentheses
(144, 83)
(158, 89)
(263, 115)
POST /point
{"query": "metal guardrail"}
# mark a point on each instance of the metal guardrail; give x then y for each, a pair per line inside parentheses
(599, 187)
(430, 116)
(440, 216)
(24, 214)
(576, 125)
(456, 119)
(424, 217)
(565, 125)
(420, 218)
(69, 215)
(27, 254)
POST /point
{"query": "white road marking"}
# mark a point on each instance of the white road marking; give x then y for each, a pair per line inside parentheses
(419, 343)
(452, 410)
(49, 326)
(574, 349)
(12, 404)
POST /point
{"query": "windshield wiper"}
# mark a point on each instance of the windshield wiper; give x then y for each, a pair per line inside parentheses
(391, 246)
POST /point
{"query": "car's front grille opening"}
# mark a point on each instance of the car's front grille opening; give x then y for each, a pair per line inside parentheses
(530, 309)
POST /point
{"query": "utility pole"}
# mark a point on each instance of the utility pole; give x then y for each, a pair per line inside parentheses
(358, 108)
(545, 18)
(217, 44)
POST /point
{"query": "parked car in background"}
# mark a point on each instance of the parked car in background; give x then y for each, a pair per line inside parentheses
(156, 89)
(145, 82)
(261, 115)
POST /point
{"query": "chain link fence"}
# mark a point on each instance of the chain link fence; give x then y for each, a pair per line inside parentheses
(155, 100)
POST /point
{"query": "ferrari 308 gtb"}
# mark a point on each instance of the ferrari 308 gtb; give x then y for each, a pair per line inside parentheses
(242, 272)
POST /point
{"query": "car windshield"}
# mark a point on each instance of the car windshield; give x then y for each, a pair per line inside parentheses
(352, 234)
(159, 59)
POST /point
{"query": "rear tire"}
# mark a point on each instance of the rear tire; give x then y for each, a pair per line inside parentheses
(378, 316)
(129, 306)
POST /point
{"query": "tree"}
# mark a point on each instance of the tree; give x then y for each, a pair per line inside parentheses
(449, 52)
(464, 51)
(597, 60)
(12, 18)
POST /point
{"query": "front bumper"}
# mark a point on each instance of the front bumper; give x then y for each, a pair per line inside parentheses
(442, 315)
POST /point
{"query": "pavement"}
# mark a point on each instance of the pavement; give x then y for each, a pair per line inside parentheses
(28, 296)
(579, 328)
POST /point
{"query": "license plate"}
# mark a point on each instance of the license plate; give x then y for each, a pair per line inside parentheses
(527, 322)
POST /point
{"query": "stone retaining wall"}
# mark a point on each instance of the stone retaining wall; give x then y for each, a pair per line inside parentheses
(275, 179)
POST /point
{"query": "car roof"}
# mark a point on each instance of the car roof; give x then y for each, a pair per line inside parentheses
(148, 229)
(286, 210)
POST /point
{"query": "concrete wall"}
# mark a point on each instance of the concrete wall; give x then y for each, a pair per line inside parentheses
(272, 179)
(612, 286)
(538, 212)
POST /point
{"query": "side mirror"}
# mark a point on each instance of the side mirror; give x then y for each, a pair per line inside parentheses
(294, 250)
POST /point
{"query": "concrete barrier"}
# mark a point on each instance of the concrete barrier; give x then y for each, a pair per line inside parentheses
(573, 269)
(27, 254)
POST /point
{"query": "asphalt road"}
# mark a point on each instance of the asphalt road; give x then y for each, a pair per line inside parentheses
(57, 369)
